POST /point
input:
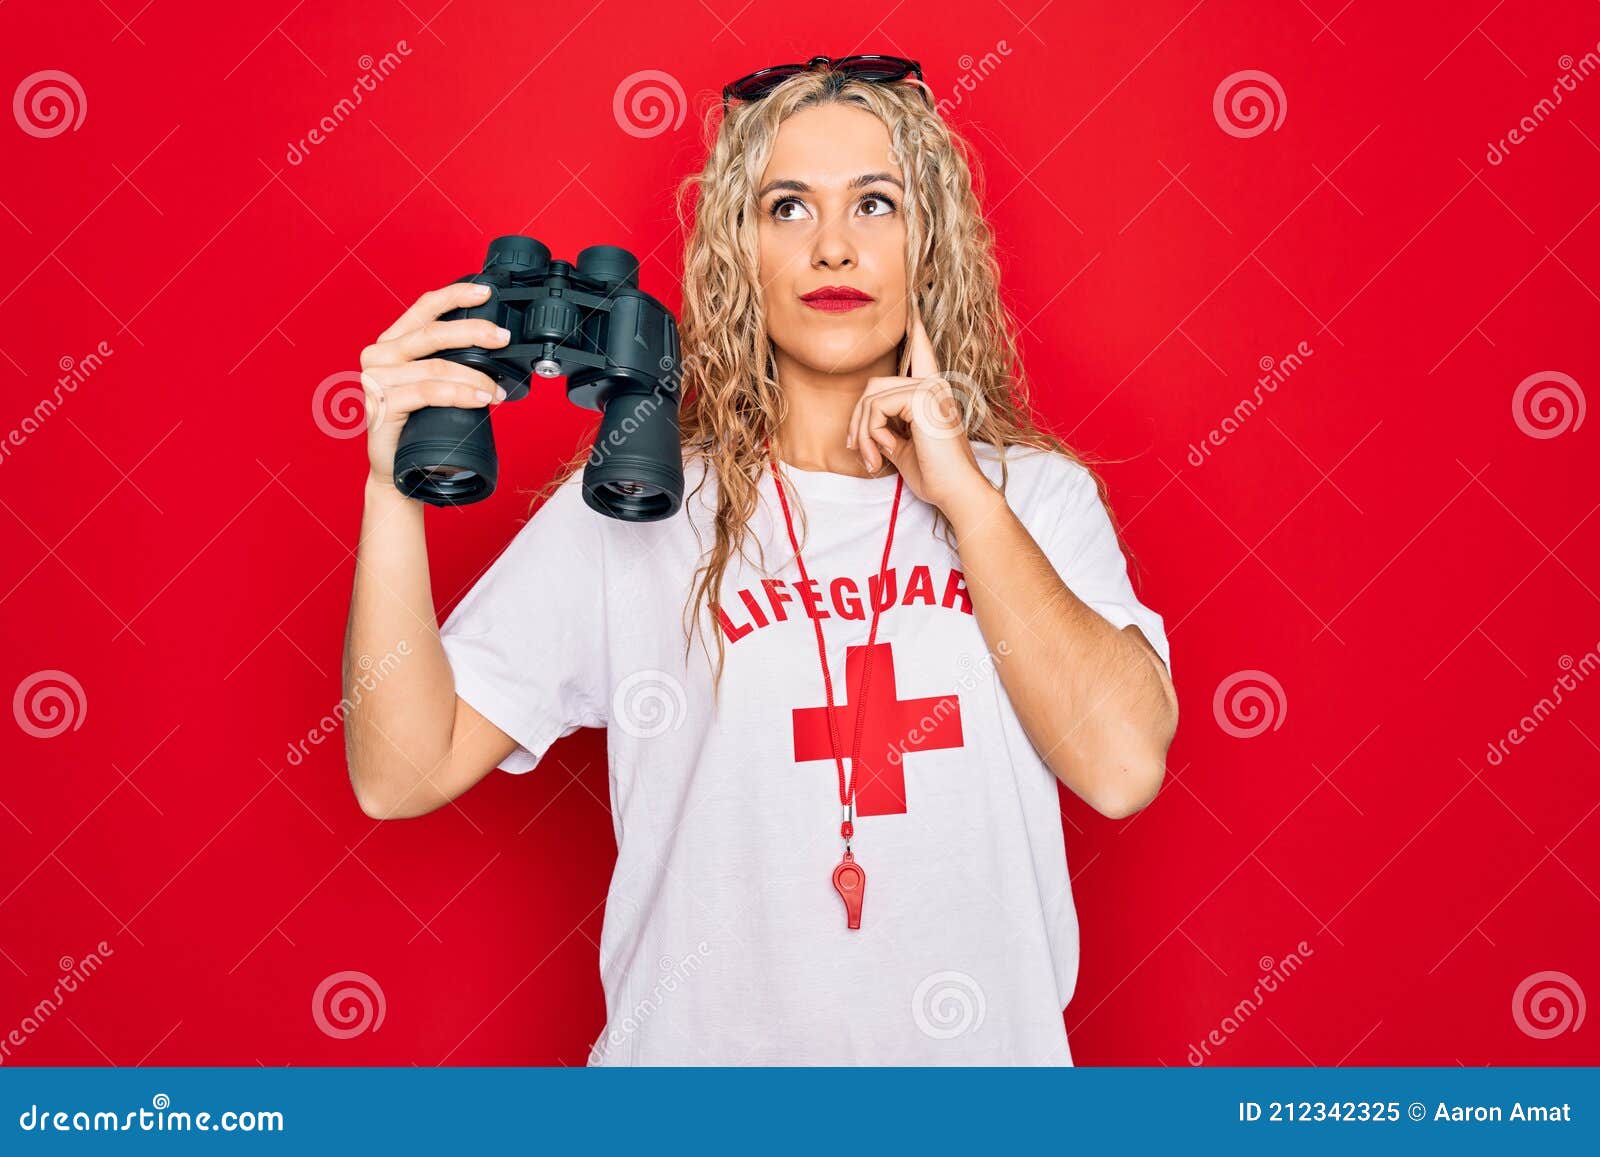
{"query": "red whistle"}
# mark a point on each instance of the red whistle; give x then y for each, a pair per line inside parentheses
(851, 883)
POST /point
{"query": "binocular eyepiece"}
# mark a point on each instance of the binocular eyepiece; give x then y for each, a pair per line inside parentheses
(587, 322)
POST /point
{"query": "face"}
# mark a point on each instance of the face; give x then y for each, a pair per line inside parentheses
(831, 212)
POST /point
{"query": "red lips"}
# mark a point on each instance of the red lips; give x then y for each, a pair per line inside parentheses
(835, 298)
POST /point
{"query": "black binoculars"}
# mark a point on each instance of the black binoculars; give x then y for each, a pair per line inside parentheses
(587, 322)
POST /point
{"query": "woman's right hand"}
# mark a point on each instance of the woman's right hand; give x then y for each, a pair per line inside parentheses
(398, 376)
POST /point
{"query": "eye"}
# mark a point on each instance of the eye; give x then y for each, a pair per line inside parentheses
(776, 212)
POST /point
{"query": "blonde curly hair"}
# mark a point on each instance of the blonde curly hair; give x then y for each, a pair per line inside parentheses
(732, 402)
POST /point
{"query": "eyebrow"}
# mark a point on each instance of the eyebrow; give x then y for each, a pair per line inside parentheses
(864, 179)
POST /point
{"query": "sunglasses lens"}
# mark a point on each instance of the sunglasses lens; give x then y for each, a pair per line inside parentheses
(880, 69)
(758, 84)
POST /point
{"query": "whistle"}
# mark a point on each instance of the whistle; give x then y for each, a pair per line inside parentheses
(851, 884)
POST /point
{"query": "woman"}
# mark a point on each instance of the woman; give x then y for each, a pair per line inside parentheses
(799, 881)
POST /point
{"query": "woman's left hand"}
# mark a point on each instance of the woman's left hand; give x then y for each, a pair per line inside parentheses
(936, 460)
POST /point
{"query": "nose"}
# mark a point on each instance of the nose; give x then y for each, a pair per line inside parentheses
(833, 248)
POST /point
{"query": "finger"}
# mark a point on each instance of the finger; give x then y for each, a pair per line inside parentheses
(875, 386)
(896, 400)
(877, 433)
(852, 436)
(872, 434)
(858, 431)
(437, 368)
(858, 435)
(404, 399)
(436, 301)
(434, 336)
(923, 362)
(941, 410)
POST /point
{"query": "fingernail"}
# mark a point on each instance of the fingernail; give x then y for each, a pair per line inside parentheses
(481, 395)
(499, 393)
(505, 334)
(850, 438)
(481, 290)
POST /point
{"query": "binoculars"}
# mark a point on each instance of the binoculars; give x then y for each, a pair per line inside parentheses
(587, 322)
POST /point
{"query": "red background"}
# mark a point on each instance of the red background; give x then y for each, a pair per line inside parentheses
(1381, 537)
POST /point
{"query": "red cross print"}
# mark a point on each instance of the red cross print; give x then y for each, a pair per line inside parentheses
(891, 726)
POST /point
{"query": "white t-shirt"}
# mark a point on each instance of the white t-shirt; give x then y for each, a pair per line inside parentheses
(724, 940)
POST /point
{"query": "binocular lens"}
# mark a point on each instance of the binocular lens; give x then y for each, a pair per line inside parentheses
(634, 501)
(447, 456)
(636, 469)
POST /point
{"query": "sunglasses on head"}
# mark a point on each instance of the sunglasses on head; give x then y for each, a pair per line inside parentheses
(872, 68)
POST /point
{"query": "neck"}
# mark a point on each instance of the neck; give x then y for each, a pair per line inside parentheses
(811, 436)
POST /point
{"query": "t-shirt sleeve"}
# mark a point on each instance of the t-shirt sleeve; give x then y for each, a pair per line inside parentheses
(1080, 542)
(527, 644)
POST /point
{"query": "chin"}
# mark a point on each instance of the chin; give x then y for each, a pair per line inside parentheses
(846, 358)
(843, 349)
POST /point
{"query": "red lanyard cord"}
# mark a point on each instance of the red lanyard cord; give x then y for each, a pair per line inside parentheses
(847, 793)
